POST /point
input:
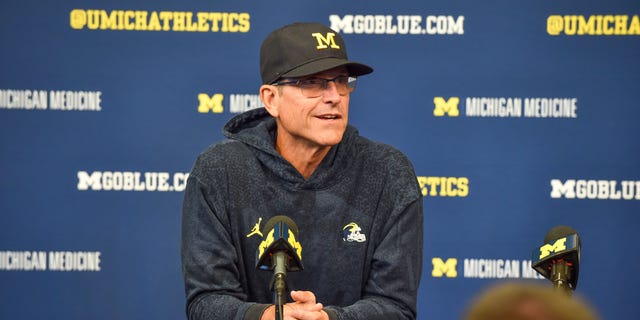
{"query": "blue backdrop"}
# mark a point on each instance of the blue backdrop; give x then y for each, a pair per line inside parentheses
(518, 116)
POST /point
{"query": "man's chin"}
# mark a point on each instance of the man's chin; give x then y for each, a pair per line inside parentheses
(330, 142)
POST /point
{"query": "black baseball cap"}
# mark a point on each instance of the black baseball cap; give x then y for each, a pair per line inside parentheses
(302, 49)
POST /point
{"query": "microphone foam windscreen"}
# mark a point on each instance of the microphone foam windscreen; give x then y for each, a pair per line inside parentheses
(558, 232)
(273, 221)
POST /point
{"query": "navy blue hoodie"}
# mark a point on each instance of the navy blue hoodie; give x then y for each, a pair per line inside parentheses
(359, 215)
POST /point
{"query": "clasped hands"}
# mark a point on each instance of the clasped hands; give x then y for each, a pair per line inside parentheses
(303, 307)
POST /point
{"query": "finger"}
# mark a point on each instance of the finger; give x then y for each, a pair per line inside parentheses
(299, 307)
(304, 314)
(303, 296)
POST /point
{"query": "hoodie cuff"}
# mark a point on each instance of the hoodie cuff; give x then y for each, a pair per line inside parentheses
(331, 313)
(255, 311)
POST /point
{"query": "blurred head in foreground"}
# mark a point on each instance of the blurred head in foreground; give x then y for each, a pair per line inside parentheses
(527, 301)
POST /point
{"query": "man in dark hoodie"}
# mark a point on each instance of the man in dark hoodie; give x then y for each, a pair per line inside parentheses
(356, 202)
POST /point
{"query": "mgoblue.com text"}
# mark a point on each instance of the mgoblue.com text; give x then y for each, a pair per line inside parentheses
(132, 181)
(401, 24)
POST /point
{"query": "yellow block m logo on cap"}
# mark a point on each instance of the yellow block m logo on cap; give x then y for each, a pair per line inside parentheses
(213, 103)
(449, 107)
(325, 42)
(441, 268)
(547, 249)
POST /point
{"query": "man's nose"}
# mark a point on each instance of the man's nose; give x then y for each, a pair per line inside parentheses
(331, 92)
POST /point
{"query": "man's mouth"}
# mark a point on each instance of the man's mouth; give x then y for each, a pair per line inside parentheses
(329, 116)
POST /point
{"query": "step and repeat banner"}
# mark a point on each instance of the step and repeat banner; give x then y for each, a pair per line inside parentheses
(517, 115)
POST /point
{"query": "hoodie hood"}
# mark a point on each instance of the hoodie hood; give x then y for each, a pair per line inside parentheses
(257, 130)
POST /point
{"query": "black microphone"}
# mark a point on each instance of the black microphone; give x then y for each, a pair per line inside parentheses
(279, 251)
(558, 259)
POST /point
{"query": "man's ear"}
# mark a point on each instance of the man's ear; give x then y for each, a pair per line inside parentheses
(269, 97)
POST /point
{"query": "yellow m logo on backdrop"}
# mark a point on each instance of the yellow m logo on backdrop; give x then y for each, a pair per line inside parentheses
(449, 107)
(213, 103)
(441, 268)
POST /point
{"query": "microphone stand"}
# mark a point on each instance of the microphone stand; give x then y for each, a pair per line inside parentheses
(561, 273)
(279, 282)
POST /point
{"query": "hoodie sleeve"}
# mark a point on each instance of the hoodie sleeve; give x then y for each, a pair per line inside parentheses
(211, 276)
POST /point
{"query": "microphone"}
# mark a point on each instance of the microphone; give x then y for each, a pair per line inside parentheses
(280, 251)
(558, 259)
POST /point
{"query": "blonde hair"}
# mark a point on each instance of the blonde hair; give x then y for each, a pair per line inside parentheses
(527, 301)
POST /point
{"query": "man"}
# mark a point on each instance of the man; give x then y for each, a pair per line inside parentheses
(356, 202)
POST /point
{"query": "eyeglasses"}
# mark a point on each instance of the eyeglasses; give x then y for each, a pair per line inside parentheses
(315, 87)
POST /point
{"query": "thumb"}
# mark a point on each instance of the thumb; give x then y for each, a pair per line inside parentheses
(303, 296)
